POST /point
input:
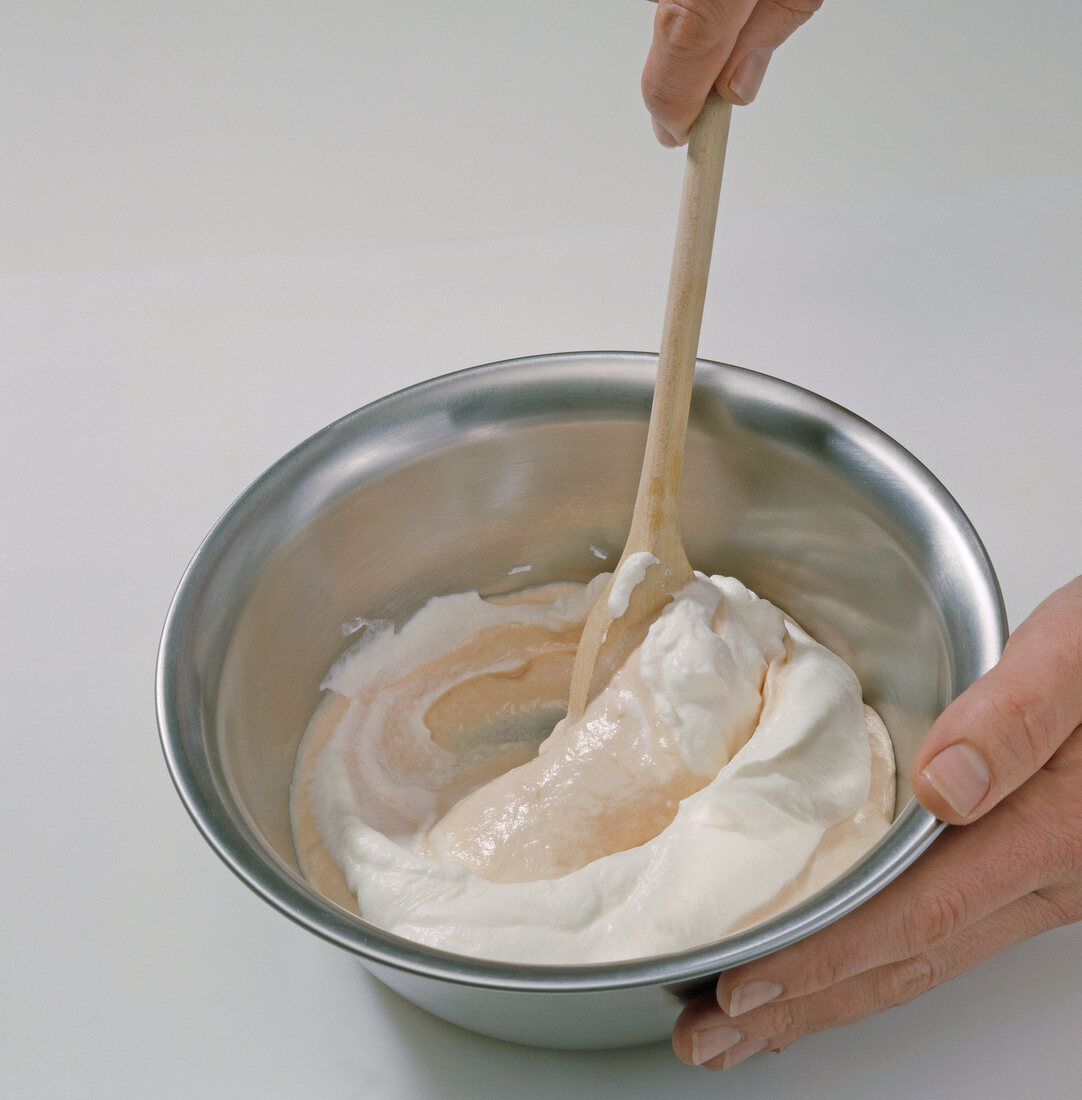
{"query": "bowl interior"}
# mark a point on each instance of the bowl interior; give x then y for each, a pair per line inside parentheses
(461, 482)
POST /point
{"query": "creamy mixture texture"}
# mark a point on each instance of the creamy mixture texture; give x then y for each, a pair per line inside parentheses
(729, 769)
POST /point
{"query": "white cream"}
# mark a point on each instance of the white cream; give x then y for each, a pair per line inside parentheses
(629, 575)
(723, 689)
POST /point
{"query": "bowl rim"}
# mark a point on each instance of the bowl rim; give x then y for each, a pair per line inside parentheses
(913, 830)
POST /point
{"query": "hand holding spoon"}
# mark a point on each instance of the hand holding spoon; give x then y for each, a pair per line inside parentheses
(653, 565)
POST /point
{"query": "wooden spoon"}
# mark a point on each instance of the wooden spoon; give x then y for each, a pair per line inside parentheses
(654, 553)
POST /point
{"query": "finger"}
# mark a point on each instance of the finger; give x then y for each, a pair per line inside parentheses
(699, 44)
(769, 25)
(1009, 723)
(718, 1041)
(965, 876)
(692, 42)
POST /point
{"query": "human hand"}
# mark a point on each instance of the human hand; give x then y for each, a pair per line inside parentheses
(1005, 762)
(699, 44)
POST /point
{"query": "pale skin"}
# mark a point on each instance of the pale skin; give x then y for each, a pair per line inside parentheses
(700, 44)
(1004, 761)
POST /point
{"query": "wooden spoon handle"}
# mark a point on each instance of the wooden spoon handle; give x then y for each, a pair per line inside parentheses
(612, 630)
(659, 486)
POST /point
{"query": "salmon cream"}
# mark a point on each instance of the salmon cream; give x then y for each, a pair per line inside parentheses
(727, 770)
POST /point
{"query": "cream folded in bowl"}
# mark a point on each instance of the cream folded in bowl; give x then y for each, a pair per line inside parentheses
(729, 769)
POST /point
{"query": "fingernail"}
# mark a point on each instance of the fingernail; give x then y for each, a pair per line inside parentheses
(748, 75)
(712, 1041)
(746, 997)
(738, 1054)
(662, 134)
(961, 776)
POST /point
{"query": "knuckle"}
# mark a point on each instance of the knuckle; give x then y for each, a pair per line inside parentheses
(905, 981)
(1024, 733)
(659, 96)
(932, 919)
(821, 971)
(787, 1023)
(689, 29)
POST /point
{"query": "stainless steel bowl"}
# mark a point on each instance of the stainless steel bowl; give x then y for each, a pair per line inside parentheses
(449, 485)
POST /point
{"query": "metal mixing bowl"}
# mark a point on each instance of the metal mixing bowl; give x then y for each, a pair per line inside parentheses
(450, 485)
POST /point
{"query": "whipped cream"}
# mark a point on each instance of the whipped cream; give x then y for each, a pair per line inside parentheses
(728, 769)
(630, 574)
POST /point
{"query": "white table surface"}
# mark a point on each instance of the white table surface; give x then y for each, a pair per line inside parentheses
(223, 225)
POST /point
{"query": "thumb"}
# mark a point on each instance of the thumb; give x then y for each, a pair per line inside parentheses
(693, 40)
(1008, 724)
(769, 25)
(704, 44)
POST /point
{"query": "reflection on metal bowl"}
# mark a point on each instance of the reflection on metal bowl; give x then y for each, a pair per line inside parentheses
(449, 485)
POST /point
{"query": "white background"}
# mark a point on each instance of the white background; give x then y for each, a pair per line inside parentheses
(223, 225)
